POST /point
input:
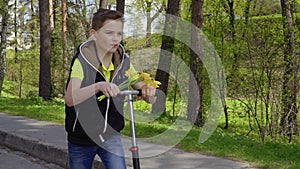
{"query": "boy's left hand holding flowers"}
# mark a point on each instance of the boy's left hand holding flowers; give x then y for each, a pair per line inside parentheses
(148, 92)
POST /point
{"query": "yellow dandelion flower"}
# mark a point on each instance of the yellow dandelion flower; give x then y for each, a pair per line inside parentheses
(156, 83)
(146, 76)
(148, 82)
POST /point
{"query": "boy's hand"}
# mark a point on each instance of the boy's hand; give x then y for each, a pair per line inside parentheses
(109, 89)
(148, 94)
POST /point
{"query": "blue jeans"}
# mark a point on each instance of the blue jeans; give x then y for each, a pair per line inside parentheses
(111, 154)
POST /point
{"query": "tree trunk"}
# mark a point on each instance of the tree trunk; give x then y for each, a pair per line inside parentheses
(290, 79)
(233, 77)
(32, 26)
(65, 41)
(103, 4)
(5, 17)
(151, 19)
(52, 16)
(165, 58)
(148, 27)
(17, 59)
(45, 51)
(195, 107)
(121, 5)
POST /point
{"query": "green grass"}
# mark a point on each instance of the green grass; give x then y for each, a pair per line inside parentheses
(266, 155)
(36, 108)
(223, 143)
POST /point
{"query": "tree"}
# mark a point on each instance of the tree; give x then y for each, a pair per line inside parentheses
(167, 48)
(20, 45)
(195, 108)
(65, 39)
(17, 59)
(45, 50)
(104, 4)
(5, 17)
(230, 10)
(151, 9)
(51, 15)
(148, 8)
(216, 25)
(121, 5)
(290, 76)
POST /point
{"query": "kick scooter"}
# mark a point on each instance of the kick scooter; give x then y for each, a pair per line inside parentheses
(134, 148)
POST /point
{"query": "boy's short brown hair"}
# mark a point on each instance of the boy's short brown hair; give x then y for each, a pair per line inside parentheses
(102, 15)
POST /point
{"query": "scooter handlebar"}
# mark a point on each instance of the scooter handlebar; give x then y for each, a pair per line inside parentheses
(132, 92)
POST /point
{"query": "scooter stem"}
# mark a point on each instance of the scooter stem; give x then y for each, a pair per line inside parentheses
(134, 149)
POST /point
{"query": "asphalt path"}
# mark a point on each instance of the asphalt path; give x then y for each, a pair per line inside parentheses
(12, 159)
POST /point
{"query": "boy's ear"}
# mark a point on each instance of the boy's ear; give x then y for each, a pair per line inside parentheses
(92, 32)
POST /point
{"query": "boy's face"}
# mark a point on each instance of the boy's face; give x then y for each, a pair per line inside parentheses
(108, 37)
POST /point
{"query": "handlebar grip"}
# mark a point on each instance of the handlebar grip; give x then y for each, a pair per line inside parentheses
(140, 92)
(132, 92)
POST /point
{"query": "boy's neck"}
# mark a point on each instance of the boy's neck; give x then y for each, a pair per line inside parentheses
(106, 59)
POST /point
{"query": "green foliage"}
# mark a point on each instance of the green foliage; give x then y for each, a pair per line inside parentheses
(233, 143)
(21, 70)
(265, 7)
(134, 44)
(186, 9)
(10, 89)
(57, 77)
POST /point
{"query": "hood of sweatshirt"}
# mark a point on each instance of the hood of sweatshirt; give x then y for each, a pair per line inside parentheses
(88, 51)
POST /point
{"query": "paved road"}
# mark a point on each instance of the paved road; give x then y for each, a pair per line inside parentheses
(48, 141)
(12, 159)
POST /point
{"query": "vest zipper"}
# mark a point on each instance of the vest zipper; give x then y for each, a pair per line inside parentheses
(118, 68)
(76, 119)
(108, 101)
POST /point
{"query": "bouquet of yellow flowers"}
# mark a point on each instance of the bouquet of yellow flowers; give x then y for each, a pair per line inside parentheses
(134, 78)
